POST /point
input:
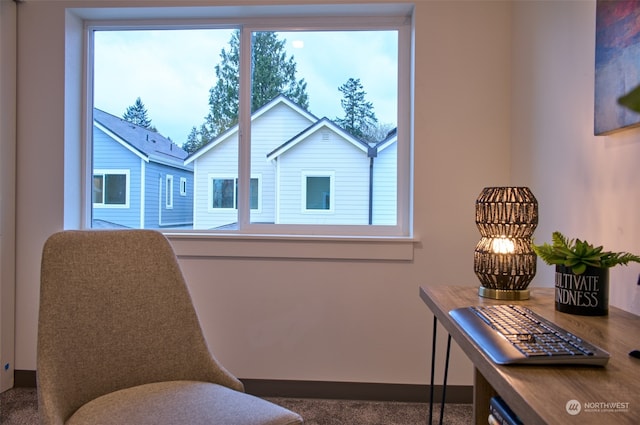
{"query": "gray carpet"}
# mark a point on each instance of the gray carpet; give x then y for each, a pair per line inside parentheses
(18, 406)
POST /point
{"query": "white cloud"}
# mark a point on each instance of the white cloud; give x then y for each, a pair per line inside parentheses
(171, 71)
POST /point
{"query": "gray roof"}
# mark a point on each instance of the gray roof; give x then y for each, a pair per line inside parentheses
(153, 145)
(273, 102)
(364, 146)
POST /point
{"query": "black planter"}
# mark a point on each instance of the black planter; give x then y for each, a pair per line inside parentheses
(586, 294)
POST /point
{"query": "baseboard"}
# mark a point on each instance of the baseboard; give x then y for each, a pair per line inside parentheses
(328, 390)
(356, 391)
(24, 378)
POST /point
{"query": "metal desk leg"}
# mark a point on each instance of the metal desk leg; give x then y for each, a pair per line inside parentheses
(446, 372)
(433, 367)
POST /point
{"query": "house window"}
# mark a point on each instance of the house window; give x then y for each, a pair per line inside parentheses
(254, 184)
(317, 193)
(331, 90)
(110, 188)
(183, 186)
(224, 193)
(169, 191)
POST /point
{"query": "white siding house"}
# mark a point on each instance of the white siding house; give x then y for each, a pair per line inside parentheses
(323, 151)
(304, 170)
(271, 125)
(385, 181)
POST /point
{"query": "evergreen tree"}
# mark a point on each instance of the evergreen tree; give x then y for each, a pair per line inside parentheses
(205, 135)
(138, 115)
(193, 141)
(359, 118)
(272, 74)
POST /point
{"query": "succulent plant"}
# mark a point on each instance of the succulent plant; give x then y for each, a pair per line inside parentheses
(578, 254)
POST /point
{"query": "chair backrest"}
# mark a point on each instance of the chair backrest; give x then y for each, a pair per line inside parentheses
(115, 313)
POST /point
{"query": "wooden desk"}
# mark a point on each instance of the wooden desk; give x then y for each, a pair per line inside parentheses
(539, 394)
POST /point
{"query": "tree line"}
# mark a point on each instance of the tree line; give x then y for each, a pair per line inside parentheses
(273, 74)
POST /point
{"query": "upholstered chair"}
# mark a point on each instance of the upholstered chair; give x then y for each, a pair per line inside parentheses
(119, 341)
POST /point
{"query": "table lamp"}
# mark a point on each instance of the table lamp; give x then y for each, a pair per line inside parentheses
(503, 259)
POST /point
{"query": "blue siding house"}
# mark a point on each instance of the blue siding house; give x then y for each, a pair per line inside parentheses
(139, 177)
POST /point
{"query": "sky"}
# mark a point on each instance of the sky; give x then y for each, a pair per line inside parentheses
(173, 70)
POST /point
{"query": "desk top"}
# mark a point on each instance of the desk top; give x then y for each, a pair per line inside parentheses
(539, 394)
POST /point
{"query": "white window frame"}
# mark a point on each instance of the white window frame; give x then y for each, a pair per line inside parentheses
(103, 172)
(357, 242)
(257, 177)
(211, 177)
(332, 192)
(168, 187)
(403, 226)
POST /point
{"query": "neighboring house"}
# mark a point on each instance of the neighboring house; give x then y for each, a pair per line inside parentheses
(139, 177)
(385, 181)
(304, 170)
(216, 166)
(323, 176)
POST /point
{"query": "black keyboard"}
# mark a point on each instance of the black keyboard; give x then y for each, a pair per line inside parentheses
(512, 334)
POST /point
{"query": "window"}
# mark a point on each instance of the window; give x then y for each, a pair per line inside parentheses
(317, 193)
(254, 191)
(110, 188)
(284, 97)
(224, 193)
(169, 191)
(183, 186)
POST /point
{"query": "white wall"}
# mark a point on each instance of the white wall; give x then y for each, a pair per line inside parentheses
(7, 189)
(500, 98)
(359, 321)
(587, 186)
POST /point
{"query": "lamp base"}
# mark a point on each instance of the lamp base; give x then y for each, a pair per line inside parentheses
(504, 294)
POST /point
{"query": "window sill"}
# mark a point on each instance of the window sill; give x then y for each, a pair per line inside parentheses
(302, 247)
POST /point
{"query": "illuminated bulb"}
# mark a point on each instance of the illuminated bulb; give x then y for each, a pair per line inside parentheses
(502, 245)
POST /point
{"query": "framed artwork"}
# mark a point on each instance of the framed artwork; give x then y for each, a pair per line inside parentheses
(617, 65)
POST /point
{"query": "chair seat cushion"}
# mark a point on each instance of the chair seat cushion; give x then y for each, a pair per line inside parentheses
(181, 403)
